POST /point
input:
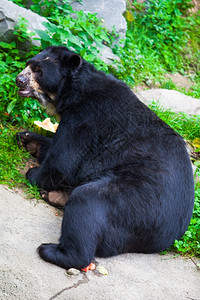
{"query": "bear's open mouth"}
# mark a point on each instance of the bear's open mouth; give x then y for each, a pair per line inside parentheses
(25, 93)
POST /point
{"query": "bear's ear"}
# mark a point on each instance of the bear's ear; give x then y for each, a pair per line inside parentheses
(75, 61)
(70, 63)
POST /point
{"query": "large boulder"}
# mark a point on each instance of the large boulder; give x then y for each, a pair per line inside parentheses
(170, 99)
(111, 11)
(9, 16)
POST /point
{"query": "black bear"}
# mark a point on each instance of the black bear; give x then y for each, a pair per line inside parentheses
(128, 173)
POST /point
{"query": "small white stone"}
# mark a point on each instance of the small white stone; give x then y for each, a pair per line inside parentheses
(73, 272)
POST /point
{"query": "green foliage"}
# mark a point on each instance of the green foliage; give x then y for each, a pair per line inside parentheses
(12, 161)
(164, 30)
(10, 155)
(195, 91)
(162, 37)
(23, 3)
(82, 36)
(50, 8)
(79, 31)
(190, 242)
(193, 50)
(137, 62)
(187, 126)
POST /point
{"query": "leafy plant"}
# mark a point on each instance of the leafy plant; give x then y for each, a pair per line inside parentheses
(23, 3)
(10, 155)
(79, 31)
(190, 242)
(164, 30)
(49, 8)
(162, 37)
(12, 162)
(187, 126)
(137, 62)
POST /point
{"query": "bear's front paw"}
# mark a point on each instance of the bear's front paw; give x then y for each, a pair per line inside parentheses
(32, 175)
(29, 141)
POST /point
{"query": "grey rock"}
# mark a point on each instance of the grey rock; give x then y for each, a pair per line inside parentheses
(170, 99)
(110, 11)
(9, 16)
(107, 55)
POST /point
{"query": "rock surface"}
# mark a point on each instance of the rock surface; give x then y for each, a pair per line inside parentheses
(9, 16)
(170, 99)
(26, 224)
(111, 11)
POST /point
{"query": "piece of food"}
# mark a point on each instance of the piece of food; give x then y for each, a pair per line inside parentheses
(46, 127)
(91, 267)
(102, 270)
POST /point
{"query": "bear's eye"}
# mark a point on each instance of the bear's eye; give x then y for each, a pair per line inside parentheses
(37, 70)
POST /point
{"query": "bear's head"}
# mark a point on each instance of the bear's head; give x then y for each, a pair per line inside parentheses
(42, 78)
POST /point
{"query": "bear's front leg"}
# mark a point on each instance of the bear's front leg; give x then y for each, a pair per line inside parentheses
(34, 143)
(47, 179)
(33, 176)
(50, 190)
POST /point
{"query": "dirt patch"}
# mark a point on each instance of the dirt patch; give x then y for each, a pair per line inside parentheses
(196, 7)
(140, 87)
(180, 80)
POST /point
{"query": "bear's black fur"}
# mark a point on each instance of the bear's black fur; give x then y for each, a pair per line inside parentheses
(128, 173)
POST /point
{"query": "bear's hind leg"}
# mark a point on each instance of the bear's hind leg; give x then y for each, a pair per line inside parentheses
(82, 230)
(64, 258)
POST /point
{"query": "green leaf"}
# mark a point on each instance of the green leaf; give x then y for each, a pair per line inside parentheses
(11, 105)
(88, 30)
(75, 41)
(7, 45)
(104, 37)
(50, 26)
(43, 34)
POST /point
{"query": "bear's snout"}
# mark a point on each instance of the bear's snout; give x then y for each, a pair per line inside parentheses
(21, 80)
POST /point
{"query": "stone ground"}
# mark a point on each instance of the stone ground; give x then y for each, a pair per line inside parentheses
(25, 224)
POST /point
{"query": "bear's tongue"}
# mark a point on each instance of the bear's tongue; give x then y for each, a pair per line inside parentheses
(24, 93)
